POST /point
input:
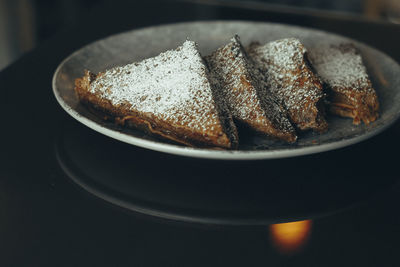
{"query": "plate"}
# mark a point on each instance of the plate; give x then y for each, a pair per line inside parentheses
(139, 44)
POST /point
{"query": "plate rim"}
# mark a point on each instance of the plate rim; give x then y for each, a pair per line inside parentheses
(205, 153)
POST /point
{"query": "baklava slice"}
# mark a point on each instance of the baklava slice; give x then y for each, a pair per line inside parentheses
(169, 95)
(242, 88)
(349, 87)
(289, 77)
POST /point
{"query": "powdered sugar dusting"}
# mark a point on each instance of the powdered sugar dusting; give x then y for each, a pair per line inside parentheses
(241, 86)
(172, 86)
(340, 66)
(288, 77)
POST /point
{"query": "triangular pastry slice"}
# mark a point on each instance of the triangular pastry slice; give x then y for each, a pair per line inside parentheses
(169, 95)
(289, 77)
(243, 92)
(350, 90)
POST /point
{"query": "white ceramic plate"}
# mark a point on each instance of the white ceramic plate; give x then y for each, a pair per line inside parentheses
(136, 45)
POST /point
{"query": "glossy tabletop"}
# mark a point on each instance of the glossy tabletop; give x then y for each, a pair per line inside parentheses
(349, 212)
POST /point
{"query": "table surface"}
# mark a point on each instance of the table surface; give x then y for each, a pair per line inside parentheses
(45, 220)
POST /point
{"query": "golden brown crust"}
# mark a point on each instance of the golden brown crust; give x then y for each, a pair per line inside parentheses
(359, 105)
(312, 114)
(240, 84)
(345, 76)
(124, 115)
(290, 78)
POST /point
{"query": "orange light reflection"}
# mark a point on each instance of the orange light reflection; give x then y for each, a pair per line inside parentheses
(290, 237)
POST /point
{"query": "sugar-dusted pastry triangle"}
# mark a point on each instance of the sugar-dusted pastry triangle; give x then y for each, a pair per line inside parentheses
(243, 92)
(350, 89)
(290, 78)
(169, 95)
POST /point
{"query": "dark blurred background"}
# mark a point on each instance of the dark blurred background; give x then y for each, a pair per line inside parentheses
(26, 23)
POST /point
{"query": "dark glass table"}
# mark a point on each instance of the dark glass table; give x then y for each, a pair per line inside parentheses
(349, 214)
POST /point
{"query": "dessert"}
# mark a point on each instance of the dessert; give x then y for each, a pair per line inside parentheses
(289, 77)
(169, 95)
(271, 88)
(350, 90)
(243, 91)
